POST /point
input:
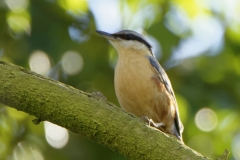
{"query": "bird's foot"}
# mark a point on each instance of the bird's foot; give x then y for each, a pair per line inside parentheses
(151, 123)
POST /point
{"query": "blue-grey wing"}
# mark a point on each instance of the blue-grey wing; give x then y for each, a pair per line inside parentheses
(164, 78)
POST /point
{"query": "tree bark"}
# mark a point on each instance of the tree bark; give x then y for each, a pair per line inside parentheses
(87, 115)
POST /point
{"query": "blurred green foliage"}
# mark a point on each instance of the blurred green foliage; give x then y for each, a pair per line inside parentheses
(209, 78)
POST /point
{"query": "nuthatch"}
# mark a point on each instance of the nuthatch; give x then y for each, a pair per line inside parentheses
(141, 84)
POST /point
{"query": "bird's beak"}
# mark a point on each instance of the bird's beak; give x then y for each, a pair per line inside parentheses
(106, 35)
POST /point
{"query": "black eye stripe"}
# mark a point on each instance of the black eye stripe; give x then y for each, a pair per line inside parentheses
(128, 37)
(133, 38)
(125, 36)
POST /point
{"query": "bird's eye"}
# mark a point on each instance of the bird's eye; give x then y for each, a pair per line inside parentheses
(128, 37)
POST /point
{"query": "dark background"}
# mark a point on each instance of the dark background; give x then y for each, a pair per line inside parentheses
(197, 42)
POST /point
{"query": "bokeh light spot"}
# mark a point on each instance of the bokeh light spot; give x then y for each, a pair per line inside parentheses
(39, 62)
(72, 62)
(55, 135)
(74, 6)
(236, 146)
(106, 8)
(25, 151)
(206, 119)
(18, 5)
(16, 114)
(19, 22)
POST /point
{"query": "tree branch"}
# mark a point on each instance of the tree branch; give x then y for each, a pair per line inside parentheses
(84, 114)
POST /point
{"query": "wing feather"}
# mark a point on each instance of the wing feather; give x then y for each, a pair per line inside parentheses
(164, 78)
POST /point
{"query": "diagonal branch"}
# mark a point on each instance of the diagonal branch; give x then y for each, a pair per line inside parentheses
(84, 114)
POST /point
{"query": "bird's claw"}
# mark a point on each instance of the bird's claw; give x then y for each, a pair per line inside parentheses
(151, 123)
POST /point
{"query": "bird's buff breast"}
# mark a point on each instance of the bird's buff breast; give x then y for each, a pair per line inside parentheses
(136, 88)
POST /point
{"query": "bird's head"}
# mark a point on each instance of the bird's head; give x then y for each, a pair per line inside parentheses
(127, 40)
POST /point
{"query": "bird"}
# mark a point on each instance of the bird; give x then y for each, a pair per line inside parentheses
(141, 85)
